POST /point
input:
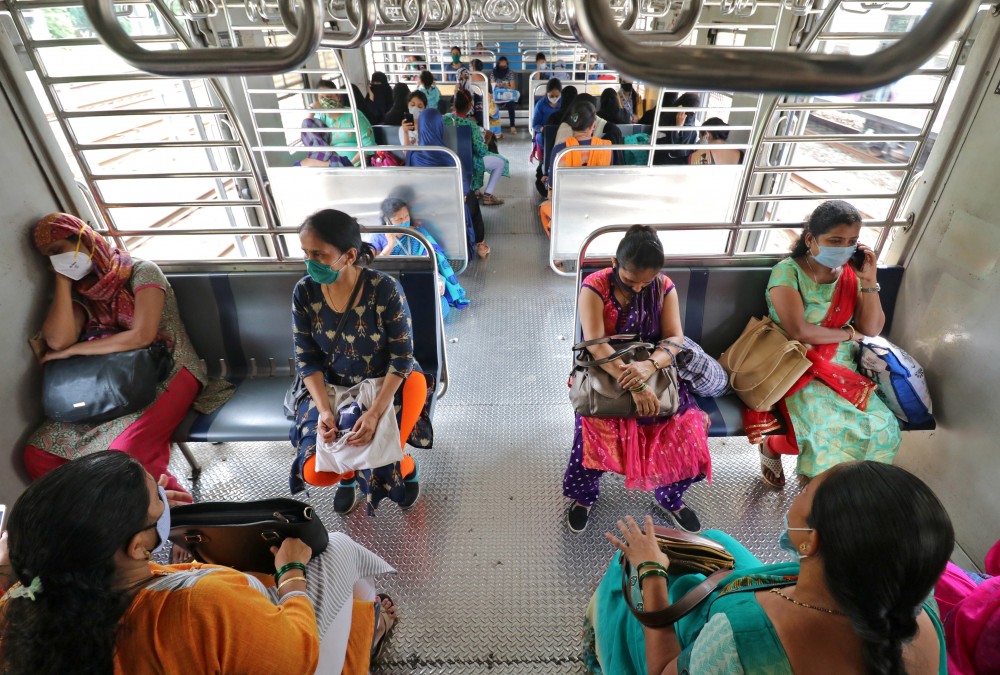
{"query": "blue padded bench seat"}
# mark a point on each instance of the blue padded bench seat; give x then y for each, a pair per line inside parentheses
(717, 302)
(240, 323)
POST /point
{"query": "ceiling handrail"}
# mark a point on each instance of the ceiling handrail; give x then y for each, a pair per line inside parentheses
(729, 69)
(363, 28)
(206, 62)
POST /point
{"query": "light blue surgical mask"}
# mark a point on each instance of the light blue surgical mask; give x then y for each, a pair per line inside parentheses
(785, 542)
(405, 223)
(163, 522)
(834, 256)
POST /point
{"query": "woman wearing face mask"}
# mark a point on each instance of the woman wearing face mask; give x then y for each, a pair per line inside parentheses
(822, 298)
(397, 212)
(483, 160)
(856, 599)
(665, 455)
(338, 126)
(631, 102)
(409, 132)
(400, 98)
(456, 62)
(505, 89)
(105, 302)
(540, 66)
(544, 109)
(89, 600)
(376, 343)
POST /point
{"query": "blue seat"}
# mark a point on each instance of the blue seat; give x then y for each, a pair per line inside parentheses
(717, 302)
(240, 324)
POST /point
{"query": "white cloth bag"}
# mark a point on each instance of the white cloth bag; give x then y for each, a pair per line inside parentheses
(384, 448)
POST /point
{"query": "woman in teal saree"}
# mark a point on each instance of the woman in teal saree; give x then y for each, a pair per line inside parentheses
(871, 541)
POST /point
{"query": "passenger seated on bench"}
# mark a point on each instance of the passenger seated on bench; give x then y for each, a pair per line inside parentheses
(666, 455)
(611, 108)
(416, 104)
(105, 302)
(375, 343)
(429, 89)
(715, 137)
(342, 120)
(482, 159)
(90, 600)
(505, 89)
(582, 119)
(821, 299)
(632, 103)
(868, 542)
(609, 131)
(397, 212)
(679, 136)
(544, 109)
(400, 97)
(569, 94)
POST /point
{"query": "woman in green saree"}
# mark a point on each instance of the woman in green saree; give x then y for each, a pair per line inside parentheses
(871, 541)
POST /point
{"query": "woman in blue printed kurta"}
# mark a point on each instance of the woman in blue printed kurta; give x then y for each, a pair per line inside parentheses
(376, 342)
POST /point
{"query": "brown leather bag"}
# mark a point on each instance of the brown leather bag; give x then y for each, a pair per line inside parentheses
(688, 554)
(764, 363)
(595, 393)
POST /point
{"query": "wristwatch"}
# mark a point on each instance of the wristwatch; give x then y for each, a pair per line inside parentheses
(872, 290)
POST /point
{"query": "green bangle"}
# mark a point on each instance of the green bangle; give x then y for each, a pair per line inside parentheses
(286, 568)
(651, 573)
(649, 563)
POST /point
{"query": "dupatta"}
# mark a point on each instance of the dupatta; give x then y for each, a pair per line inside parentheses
(853, 386)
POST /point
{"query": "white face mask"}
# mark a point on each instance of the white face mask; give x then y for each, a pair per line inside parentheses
(72, 264)
(415, 111)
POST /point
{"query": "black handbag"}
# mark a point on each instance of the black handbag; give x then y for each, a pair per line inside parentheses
(240, 534)
(95, 389)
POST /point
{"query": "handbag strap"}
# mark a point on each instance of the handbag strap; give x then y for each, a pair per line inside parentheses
(343, 317)
(677, 610)
(579, 346)
(596, 363)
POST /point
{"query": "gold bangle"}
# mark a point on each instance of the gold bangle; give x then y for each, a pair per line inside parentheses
(290, 580)
(850, 328)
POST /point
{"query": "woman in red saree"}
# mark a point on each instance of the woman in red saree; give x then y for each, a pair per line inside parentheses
(822, 299)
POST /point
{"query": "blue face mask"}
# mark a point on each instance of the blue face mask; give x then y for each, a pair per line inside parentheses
(163, 523)
(323, 274)
(834, 256)
(785, 542)
(405, 223)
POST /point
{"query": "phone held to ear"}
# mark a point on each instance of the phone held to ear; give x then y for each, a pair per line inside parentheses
(858, 259)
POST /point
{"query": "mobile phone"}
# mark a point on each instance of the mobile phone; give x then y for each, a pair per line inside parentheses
(858, 259)
(408, 117)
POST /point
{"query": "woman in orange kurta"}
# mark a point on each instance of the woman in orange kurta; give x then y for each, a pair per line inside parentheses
(89, 600)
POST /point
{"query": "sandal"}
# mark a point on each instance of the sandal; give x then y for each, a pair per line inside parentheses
(482, 250)
(491, 200)
(771, 470)
(379, 644)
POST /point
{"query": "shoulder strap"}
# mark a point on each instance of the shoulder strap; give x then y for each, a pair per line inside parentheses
(677, 610)
(343, 317)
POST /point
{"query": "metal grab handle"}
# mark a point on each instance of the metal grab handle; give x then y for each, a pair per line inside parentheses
(548, 25)
(201, 62)
(447, 10)
(416, 22)
(197, 10)
(364, 28)
(735, 70)
(502, 11)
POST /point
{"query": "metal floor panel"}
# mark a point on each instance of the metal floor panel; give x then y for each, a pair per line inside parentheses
(490, 578)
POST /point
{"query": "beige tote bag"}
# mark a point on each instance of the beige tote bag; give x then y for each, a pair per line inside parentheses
(764, 363)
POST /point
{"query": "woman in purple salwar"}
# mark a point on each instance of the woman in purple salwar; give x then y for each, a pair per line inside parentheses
(665, 455)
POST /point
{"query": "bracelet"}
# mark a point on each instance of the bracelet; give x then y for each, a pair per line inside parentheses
(641, 387)
(290, 580)
(649, 563)
(651, 573)
(850, 328)
(290, 566)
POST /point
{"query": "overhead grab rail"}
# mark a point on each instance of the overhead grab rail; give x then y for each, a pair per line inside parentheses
(364, 26)
(502, 11)
(444, 17)
(728, 69)
(417, 19)
(202, 62)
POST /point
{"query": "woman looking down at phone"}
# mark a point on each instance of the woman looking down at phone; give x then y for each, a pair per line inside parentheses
(826, 295)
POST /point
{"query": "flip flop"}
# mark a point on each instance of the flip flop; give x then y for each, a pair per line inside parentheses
(772, 466)
(380, 643)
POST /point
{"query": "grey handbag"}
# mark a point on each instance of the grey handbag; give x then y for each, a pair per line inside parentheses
(297, 391)
(595, 393)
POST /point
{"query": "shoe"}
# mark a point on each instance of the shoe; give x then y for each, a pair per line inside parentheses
(771, 470)
(577, 517)
(513, 129)
(348, 497)
(482, 250)
(685, 518)
(412, 486)
(479, 195)
(491, 200)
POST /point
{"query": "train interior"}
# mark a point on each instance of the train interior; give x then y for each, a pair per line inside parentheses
(196, 170)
